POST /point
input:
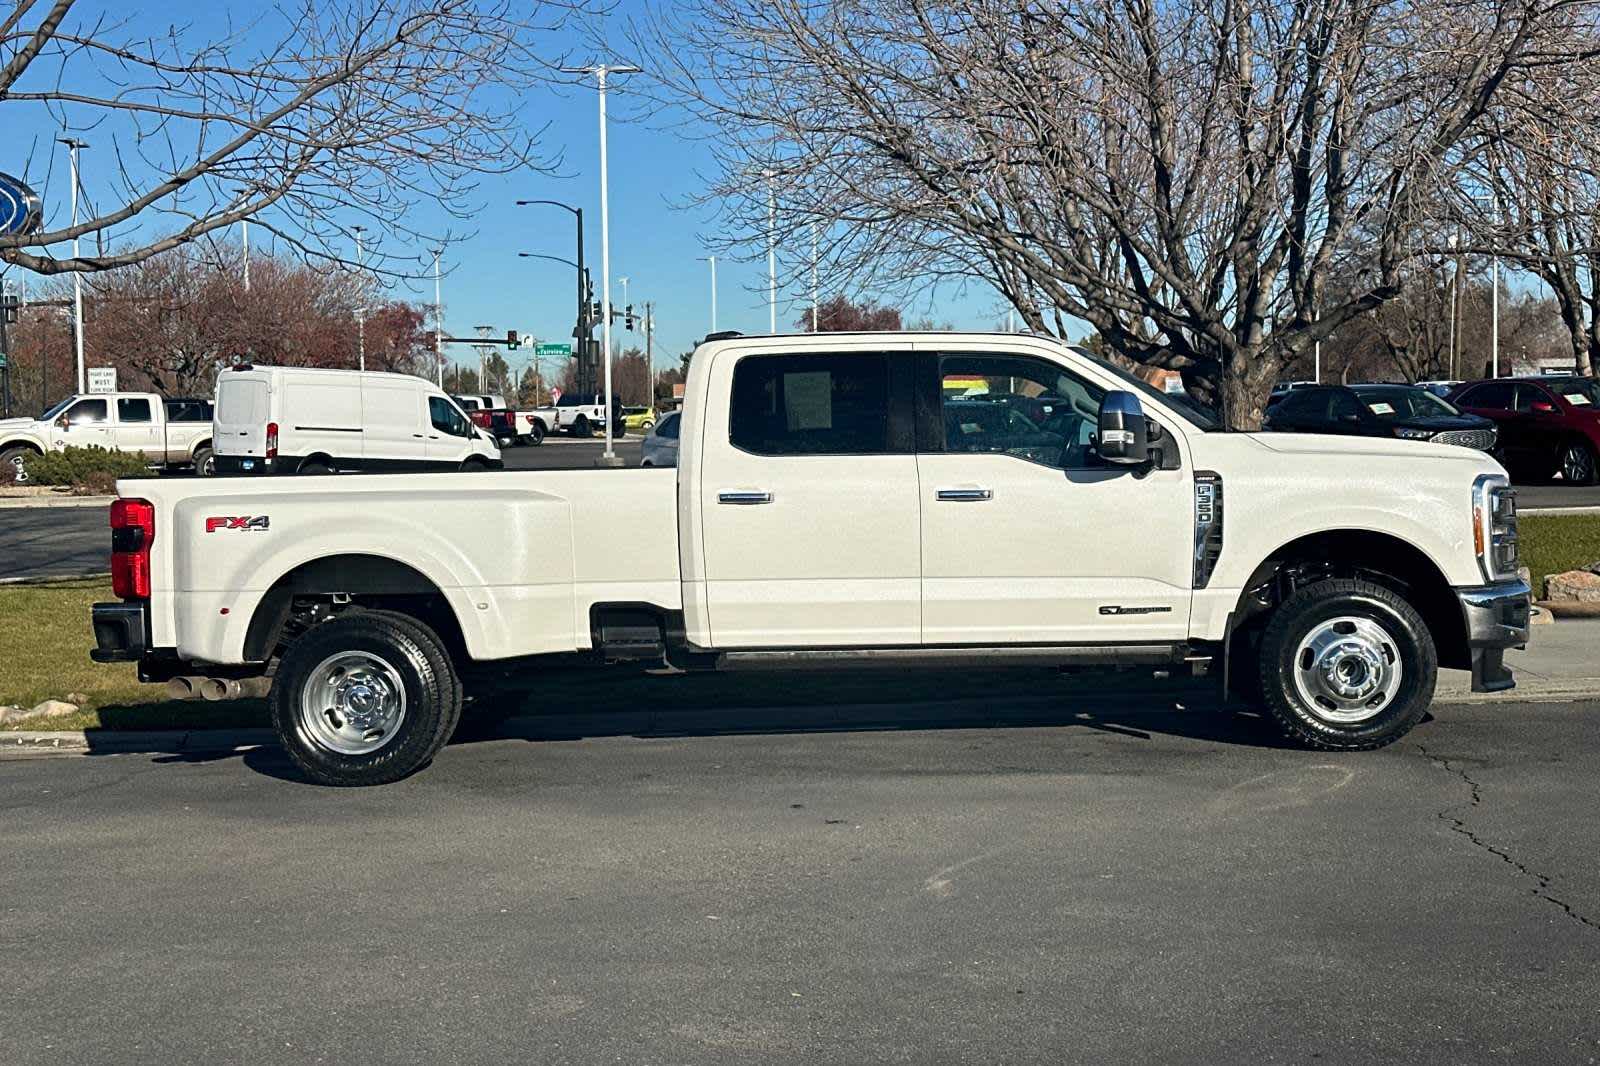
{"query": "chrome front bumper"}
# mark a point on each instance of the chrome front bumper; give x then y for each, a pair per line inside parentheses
(1496, 618)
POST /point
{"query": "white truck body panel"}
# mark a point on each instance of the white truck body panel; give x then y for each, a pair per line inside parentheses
(852, 551)
(117, 421)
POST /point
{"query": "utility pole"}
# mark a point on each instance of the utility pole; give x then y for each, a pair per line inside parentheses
(73, 145)
(816, 301)
(600, 73)
(244, 233)
(713, 261)
(8, 311)
(649, 354)
(772, 255)
(483, 357)
(361, 296)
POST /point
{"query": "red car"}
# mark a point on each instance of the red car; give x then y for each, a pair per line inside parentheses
(1548, 425)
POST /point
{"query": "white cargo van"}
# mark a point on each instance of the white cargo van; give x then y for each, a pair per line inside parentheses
(291, 420)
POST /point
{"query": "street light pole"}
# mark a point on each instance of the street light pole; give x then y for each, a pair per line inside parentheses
(244, 233)
(772, 255)
(713, 261)
(77, 275)
(438, 321)
(601, 72)
(579, 332)
(816, 300)
(361, 296)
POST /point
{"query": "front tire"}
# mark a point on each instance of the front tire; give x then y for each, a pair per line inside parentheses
(14, 464)
(365, 699)
(1347, 665)
(1577, 463)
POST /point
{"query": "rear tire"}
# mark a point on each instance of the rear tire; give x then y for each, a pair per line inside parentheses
(314, 467)
(535, 435)
(581, 428)
(365, 699)
(1347, 665)
(205, 462)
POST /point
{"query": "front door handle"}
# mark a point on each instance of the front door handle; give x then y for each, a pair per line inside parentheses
(963, 495)
(745, 498)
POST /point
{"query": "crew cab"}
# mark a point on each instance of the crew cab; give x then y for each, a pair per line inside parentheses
(840, 499)
(170, 433)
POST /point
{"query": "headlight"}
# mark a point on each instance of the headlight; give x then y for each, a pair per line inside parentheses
(1494, 526)
(1412, 434)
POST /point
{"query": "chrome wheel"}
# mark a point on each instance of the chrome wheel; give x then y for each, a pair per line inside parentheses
(19, 469)
(1577, 464)
(1347, 669)
(352, 703)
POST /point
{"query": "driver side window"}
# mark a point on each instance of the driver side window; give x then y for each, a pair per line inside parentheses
(445, 418)
(1014, 405)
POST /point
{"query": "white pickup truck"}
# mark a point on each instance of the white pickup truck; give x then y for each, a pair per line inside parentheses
(840, 499)
(170, 433)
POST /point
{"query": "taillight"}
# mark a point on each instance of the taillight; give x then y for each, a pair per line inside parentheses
(272, 440)
(133, 529)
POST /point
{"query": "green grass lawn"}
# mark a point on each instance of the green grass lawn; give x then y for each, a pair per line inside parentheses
(1552, 543)
(45, 641)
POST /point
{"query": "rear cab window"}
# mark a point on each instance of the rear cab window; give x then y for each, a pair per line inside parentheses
(133, 409)
(811, 405)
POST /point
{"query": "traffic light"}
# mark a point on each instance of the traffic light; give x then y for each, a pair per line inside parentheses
(627, 317)
(512, 341)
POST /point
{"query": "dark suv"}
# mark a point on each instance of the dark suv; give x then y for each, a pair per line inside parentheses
(1548, 425)
(1403, 411)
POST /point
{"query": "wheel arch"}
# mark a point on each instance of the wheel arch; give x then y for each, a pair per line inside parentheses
(367, 580)
(22, 442)
(1390, 560)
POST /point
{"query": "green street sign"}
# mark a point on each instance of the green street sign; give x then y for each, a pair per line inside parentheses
(553, 349)
(2, 360)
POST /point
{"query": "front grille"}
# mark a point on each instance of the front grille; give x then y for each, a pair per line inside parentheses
(1481, 439)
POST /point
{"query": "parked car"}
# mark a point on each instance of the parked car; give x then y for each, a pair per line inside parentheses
(1549, 424)
(639, 418)
(290, 420)
(1442, 387)
(1403, 411)
(171, 434)
(1284, 388)
(826, 513)
(660, 446)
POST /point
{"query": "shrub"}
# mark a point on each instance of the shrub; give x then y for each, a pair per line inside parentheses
(89, 471)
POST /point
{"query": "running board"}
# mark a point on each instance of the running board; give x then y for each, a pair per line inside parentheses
(962, 656)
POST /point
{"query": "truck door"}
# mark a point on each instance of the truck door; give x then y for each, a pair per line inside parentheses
(808, 500)
(1026, 536)
(449, 432)
(86, 424)
(136, 429)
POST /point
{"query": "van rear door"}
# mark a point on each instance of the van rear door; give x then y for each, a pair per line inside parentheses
(240, 422)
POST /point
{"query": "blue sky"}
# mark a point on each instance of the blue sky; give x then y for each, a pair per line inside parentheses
(655, 238)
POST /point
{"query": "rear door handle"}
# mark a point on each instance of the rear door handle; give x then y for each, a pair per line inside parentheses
(963, 495)
(745, 498)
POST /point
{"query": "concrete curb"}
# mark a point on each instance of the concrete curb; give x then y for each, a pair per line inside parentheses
(1593, 509)
(21, 502)
(46, 579)
(107, 741)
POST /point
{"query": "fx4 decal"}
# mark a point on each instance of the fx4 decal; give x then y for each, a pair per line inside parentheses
(241, 522)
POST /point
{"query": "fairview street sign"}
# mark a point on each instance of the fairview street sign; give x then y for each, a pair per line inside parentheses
(553, 349)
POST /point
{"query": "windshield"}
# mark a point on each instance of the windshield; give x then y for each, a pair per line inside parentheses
(57, 409)
(1197, 413)
(1405, 403)
(1580, 392)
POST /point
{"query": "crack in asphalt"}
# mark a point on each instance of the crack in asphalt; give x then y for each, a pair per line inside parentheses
(1543, 881)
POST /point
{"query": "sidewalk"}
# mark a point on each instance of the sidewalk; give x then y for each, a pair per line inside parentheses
(56, 501)
(1562, 661)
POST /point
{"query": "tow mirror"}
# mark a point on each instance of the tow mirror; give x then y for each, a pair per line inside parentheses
(1124, 433)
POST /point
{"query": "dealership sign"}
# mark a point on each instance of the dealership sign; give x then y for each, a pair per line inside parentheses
(21, 210)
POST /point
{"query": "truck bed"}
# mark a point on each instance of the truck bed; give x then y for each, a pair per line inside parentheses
(520, 555)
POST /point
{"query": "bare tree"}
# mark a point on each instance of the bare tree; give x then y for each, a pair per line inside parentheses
(314, 115)
(840, 314)
(1184, 175)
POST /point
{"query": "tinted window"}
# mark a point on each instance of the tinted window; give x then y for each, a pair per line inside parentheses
(1580, 392)
(811, 404)
(1404, 403)
(446, 419)
(1343, 407)
(86, 411)
(1495, 396)
(1028, 408)
(1303, 403)
(133, 409)
(188, 410)
(668, 427)
(1528, 395)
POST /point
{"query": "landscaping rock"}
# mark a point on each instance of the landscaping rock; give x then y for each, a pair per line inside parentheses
(77, 697)
(1574, 586)
(52, 709)
(1539, 616)
(1593, 568)
(9, 713)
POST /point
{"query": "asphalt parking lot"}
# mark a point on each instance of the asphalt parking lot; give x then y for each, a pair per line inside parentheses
(1096, 884)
